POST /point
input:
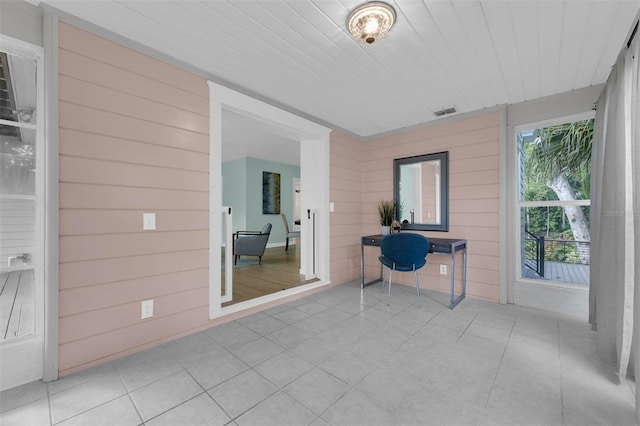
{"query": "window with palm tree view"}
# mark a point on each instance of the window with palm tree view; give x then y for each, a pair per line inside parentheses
(554, 202)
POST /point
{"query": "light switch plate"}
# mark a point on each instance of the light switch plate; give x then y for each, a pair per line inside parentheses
(443, 269)
(332, 207)
(146, 309)
(148, 221)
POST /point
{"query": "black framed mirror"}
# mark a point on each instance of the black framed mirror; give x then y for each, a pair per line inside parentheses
(421, 191)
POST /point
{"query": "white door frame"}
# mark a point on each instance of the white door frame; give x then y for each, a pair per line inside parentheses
(298, 212)
(314, 175)
(51, 226)
(22, 359)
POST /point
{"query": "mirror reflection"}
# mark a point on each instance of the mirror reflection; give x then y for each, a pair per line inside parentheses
(421, 192)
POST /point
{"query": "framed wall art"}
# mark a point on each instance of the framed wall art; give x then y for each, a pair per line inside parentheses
(270, 193)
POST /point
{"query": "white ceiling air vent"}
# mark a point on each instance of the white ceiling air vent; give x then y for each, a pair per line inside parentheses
(446, 111)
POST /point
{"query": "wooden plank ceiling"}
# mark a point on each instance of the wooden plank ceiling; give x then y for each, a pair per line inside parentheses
(469, 54)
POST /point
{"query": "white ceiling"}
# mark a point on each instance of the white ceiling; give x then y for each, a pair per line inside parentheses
(470, 54)
(244, 136)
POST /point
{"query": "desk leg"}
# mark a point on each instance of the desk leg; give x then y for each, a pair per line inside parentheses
(361, 266)
(453, 279)
(454, 300)
(362, 283)
(464, 273)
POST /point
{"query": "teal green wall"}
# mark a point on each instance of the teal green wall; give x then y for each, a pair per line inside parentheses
(234, 188)
(242, 190)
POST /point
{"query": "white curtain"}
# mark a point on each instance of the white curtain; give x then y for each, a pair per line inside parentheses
(615, 216)
(635, 167)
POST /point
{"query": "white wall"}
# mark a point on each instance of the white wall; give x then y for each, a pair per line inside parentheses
(21, 20)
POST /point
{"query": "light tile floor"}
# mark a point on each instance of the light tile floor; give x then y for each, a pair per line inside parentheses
(342, 358)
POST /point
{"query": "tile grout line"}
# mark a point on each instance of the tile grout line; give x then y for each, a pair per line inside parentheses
(562, 410)
(49, 404)
(439, 362)
(404, 316)
(495, 378)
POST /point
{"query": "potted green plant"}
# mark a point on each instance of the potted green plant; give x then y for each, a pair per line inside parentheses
(386, 210)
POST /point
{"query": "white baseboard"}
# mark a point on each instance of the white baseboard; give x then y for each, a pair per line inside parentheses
(282, 244)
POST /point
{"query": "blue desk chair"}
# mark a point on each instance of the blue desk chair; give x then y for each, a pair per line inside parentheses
(404, 252)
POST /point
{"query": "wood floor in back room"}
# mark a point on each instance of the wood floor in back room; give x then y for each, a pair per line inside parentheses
(280, 270)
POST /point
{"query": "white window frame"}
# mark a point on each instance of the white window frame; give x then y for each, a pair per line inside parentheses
(552, 203)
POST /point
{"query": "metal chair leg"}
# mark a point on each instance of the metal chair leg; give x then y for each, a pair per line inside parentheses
(389, 297)
(415, 272)
(382, 288)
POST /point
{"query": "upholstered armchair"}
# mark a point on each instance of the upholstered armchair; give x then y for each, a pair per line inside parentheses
(250, 243)
(288, 234)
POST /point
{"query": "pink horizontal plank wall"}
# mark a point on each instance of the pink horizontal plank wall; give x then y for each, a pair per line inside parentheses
(345, 191)
(133, 139)
(473, 145)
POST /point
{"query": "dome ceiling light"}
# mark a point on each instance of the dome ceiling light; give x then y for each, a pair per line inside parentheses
(371, 21)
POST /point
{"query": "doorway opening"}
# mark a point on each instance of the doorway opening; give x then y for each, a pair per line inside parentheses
(253, 150)
(312, 142)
